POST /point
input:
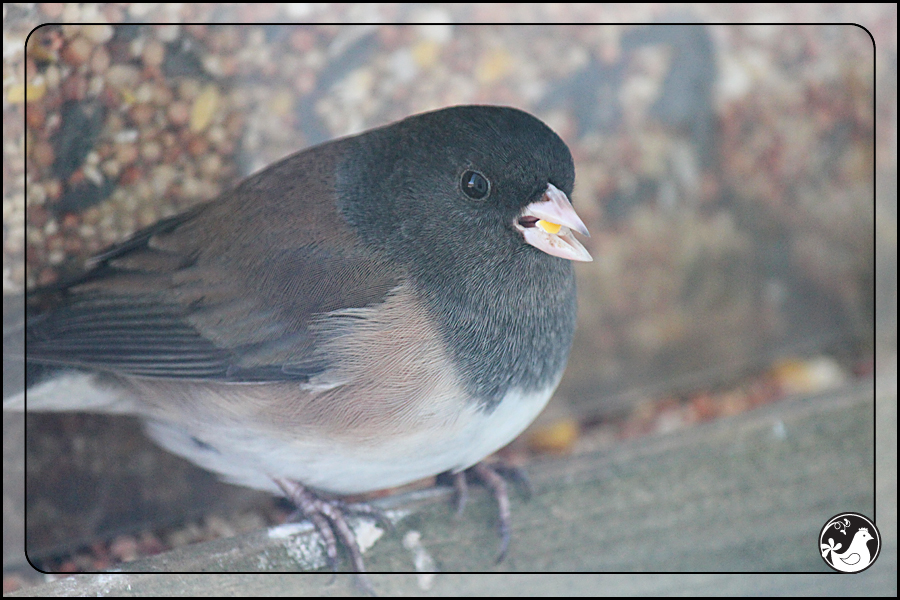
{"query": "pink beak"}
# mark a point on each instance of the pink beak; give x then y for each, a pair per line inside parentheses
(548, 223)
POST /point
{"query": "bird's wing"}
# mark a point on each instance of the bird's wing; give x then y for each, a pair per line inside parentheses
(230, 291)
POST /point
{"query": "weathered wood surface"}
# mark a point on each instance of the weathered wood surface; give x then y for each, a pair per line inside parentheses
(746, 494)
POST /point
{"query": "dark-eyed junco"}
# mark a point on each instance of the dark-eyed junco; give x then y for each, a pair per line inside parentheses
(367, 312)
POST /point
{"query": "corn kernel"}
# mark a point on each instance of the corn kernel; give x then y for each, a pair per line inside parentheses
(548, 226)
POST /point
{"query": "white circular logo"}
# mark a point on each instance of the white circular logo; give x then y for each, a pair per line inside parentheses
(849, 542)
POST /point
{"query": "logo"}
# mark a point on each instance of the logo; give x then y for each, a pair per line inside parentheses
(849, 542)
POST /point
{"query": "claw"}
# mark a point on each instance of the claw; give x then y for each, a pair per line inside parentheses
(494, 482)
(462, 492)
(492, 477)
(329, 517)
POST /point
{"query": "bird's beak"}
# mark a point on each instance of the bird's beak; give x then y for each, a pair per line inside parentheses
(548, 223)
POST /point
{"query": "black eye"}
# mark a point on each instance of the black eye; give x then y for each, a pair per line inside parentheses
(475, 185)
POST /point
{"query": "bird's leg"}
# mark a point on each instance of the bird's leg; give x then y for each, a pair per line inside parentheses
(494, 482)
(329, 517)
(517, 475)
(462, 491)
(492, 477)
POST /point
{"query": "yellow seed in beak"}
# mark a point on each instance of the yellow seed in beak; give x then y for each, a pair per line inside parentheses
(548, 226)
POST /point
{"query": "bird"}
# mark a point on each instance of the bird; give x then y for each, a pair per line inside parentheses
(365, 313)
(855, 558)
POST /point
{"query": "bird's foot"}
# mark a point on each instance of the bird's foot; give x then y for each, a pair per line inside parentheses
(329, 517)
(493, 477)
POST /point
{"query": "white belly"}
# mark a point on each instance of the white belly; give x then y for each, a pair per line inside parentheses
(252, 460)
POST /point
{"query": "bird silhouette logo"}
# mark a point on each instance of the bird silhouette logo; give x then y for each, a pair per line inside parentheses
(849, 542)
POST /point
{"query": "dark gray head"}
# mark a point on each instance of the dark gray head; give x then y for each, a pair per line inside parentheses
(442, 193)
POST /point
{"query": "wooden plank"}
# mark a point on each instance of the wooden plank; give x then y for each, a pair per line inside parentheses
(744, 494)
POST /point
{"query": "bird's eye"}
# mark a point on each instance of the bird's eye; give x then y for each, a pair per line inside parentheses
(475, 185)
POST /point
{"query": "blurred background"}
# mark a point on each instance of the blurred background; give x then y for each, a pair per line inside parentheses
(727, 174)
